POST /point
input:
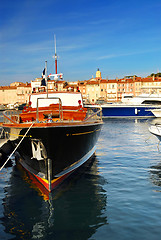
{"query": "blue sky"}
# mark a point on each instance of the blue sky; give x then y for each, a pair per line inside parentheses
(120, 37)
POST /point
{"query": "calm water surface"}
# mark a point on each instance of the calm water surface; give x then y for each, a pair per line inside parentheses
(117, 195)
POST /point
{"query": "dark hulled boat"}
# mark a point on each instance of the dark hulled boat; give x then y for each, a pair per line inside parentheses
(53, 136)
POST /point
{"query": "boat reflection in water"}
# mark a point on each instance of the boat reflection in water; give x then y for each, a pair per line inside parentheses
(74, 210)
(156, 174)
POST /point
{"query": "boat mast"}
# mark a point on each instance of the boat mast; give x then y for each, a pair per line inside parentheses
(56, 58)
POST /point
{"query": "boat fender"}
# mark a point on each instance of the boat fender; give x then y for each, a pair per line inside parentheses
(79, 102)
(136, 111)
(6, 149)
(50, 118)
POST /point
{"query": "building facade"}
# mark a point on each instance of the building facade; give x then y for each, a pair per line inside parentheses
(15, 93)
(92, 90)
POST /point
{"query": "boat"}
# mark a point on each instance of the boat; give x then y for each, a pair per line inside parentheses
(145, 98)
(131, 107)
(155, 129)
(54, 135)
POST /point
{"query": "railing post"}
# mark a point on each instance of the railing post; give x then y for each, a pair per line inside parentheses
(37, 110)
(60, 107)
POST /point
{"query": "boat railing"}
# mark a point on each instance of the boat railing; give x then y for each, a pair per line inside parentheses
(60, 107)
(94, 114)
(11, 116)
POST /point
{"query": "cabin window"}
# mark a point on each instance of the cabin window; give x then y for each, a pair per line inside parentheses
(128, 96)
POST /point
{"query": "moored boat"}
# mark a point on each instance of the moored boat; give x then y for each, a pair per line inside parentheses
(131, 107)
(53, 136)
(155, 129)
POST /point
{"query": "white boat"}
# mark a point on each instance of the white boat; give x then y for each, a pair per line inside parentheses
(131, 107)
(141, 99)
(156, 130)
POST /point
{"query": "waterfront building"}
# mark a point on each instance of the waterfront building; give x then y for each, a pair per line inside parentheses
(36, 84)
(137, 85)
(92, 90)
(8, 94)
(111, 91)
(82, 88)
(72, 86)
(23, 93)
(151, 85)
(103, 89)
(15, 93)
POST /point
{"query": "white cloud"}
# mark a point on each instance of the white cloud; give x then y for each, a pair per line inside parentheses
(128, 54)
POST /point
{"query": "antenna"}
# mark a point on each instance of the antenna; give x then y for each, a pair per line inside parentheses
(56, 58)
(55, 43)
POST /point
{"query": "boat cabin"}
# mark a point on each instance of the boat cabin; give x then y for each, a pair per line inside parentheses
(53, 107)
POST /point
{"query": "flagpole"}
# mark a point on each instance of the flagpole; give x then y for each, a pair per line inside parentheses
(46, 79)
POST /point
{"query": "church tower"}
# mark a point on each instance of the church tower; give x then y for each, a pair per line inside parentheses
(98, 73)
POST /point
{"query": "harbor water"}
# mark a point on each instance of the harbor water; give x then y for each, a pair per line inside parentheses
(116, 195)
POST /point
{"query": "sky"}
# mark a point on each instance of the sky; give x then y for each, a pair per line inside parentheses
(120, 37)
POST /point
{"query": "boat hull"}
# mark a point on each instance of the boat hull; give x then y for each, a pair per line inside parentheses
(124, 111)
(51, 154)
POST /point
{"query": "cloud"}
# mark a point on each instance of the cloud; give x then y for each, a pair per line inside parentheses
(109, 56)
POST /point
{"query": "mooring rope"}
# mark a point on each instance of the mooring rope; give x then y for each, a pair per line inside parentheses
(17, 146)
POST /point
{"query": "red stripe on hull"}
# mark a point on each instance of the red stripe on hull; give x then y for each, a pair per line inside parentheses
(38, 180)
(60, 180)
